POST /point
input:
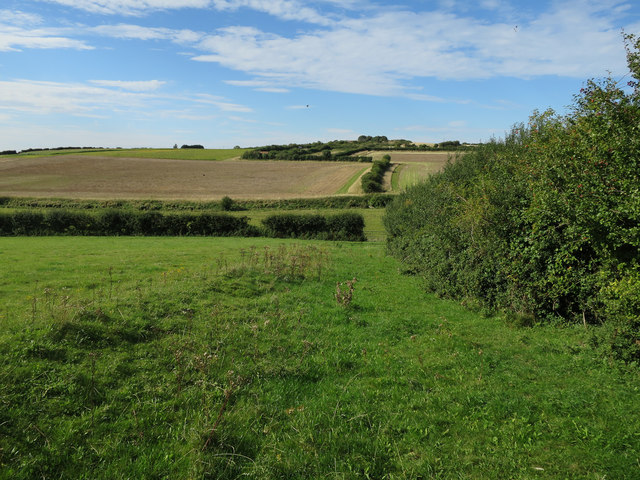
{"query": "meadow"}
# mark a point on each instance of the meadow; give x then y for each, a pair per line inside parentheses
(220, 358)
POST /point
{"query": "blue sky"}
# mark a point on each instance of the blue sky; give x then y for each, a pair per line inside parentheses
(152, 73)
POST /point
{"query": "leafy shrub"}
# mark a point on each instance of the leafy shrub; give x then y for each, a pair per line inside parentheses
(117, 222)
(545, 223)
(347, 226)
(66, 222)
(226, 203)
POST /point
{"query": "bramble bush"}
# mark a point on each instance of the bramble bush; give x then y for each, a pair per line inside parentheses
(545, 223)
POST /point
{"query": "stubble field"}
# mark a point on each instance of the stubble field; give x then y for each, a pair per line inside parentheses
(108, 177)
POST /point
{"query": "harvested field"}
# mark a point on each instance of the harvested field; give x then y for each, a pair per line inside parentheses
(104, 177)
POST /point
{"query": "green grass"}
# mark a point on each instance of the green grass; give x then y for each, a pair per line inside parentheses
(395, 177)
(226, 358)
(409, 174)
(345, 188)
(176, 154)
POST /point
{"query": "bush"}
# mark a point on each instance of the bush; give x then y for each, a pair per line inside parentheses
(372, 181)
(226, 204)
(346, 226)
(545, 223)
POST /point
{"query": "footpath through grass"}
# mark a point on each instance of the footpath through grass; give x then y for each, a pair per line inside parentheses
(220, 358)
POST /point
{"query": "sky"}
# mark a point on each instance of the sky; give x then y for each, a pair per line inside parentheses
(221, 73)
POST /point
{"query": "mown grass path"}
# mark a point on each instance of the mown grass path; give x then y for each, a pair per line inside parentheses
(217, 358)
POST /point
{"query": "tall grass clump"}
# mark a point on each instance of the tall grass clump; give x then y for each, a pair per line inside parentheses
(544, 223)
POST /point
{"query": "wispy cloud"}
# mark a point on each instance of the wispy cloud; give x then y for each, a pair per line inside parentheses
(20, 30)
(70, 98)
(137, 32)
(129, 7)
(283, 9)
(134, 86)
(101, 97)
(221, 103)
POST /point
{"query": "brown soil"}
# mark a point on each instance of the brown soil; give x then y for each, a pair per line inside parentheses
(80, 176)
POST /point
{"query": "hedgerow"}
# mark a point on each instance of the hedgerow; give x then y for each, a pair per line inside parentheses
(345, 226)
(375, 200)
(545, 223)
(121, 222)
(372, 180)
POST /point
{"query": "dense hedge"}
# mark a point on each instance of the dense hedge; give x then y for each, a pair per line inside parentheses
(372, 180)
(345, 226)
(342, 201)
(546, 223)
(295, 155)
(121, 222)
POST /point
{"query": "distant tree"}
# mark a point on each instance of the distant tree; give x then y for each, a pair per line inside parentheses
(191, 146)
(175, 145)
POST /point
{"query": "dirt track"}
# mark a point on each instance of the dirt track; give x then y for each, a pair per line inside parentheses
(82, 176)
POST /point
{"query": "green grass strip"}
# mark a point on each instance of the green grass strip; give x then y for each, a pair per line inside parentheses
(345, 188)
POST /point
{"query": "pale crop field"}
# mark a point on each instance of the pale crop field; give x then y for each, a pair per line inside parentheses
(110, 177)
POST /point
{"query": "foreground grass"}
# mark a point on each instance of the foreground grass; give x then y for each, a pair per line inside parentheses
(221, 358)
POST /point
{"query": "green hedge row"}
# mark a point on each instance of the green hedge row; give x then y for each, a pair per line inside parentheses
(343, 201)
(372, 180)
(122, 222)
(345, 226)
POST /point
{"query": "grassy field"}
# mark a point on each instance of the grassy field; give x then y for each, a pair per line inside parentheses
(408, 174)
(217, 154)
(227, 358)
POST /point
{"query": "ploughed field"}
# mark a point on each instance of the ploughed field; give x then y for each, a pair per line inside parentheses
(109, 177)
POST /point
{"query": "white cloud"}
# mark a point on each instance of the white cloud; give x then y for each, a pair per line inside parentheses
(11, 17)
(134, 86)
(99, 98)
(54, 97)
(383, 53)
(283, 9)
(129, 7)
(222, 104)
(273, 90)
(20, 30)
(137, 32)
